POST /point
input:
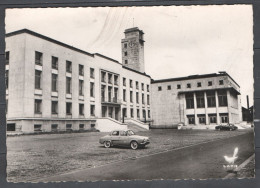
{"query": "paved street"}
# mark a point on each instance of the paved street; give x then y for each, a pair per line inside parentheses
(36, 156)
(202, 161)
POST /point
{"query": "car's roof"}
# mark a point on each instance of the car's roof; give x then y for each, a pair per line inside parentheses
(122, 130)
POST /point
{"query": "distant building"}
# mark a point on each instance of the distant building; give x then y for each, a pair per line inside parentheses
(248, 114)
(195, 100)
(52, 86)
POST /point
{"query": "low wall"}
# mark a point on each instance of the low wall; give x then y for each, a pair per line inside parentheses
(109, 124)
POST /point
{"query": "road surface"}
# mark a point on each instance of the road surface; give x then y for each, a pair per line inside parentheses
(200, 161)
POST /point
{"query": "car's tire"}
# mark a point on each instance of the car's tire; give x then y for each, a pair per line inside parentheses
(107, 144)
(134, 145)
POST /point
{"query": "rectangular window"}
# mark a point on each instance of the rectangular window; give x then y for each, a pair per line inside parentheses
(81, 109)
(222, 98)
(125, 45)
(209, 83)
(54, 107)
(138, 113)
(200, 100)
(160, 88)
(142, 87)
(221, 82)
(54, 82)
(115, 94)
(211, 99)
(81, 70)
(212, 118)
(54, 127)
(148, 88)
(68, 127)
(124, 95)
(137, 98)
(38, 75)
(202, 119)
(110, 78)
(92, 110)
(81, 126)
(37, 128)
(110, 112)
(7, 57)
(131, 96)
(124, 81)
(38, 58)
(148, 99)
(68, 66)
(191, 119)
(131, 83)
(144, 114)
(68, 108)
(103, 93)
(149, 114)
(116, 80)
(137, 85)
(125, 53)
(188, 85)
(38, 106)
(169, 87)
(132, 112)
(142, 98)
(109, 94)
(6, 79)
(189, 100)
(92, 87)
(54, 62)
(178, 86)
(199, 84)
(126, 62)
(92, 73)
(81, 87)
(68, 85)
(103, 77)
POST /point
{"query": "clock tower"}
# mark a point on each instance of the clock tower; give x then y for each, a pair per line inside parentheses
(133, 49)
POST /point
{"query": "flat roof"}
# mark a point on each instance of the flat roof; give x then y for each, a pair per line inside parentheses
(70, 47)
(191, 77)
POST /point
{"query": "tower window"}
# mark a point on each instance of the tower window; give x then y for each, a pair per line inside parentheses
(169, 87)
(159, 88)
(125, 53)
(210, 83)
(126, 62)
(188, 86)
(221, 82)
(178, 86)
(125, 45)
(199, 84)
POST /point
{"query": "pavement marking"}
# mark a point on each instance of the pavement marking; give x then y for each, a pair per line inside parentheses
(131, 158)
(232, 175)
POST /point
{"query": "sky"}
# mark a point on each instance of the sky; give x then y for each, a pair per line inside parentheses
(179, 40)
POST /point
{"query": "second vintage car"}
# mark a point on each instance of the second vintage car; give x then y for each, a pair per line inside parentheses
(126, 138)
(228, 127)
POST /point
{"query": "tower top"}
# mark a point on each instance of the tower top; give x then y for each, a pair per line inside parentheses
(133, 49)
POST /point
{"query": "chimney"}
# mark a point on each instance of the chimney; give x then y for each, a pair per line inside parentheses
(247, 99)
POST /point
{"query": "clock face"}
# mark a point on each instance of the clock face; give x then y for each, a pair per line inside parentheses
(131, 44)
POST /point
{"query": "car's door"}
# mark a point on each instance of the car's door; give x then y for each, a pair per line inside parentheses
(123, 138)
(115, 138)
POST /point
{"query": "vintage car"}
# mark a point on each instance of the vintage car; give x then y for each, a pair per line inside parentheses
(124, 138)
(228, 127)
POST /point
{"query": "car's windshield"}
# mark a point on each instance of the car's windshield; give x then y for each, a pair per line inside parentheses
(129, 133)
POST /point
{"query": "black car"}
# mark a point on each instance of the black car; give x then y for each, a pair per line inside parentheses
(228, 127)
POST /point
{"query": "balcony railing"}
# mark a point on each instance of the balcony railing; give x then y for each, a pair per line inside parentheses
(113, 100)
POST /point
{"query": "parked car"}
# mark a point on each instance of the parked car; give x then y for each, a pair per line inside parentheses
(228, 127)
(126, 138)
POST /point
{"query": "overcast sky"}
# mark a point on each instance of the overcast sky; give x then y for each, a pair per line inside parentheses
(180, 40)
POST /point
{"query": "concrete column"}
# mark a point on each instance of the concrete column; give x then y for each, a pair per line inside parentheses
(184, 109)
(195, 109)
(206, 108)
(230, 120)
(216, 96)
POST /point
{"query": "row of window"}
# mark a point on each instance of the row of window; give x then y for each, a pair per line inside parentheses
(137, 97)
(212, 118)
(55, 63)
(136, 85)
(169, 87)
(210, 97)
(138, 113)
(109, 77)
(54, 108)
(55, 127)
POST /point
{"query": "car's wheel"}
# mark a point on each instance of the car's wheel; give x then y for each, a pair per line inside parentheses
(107, 144)
(134, 145)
